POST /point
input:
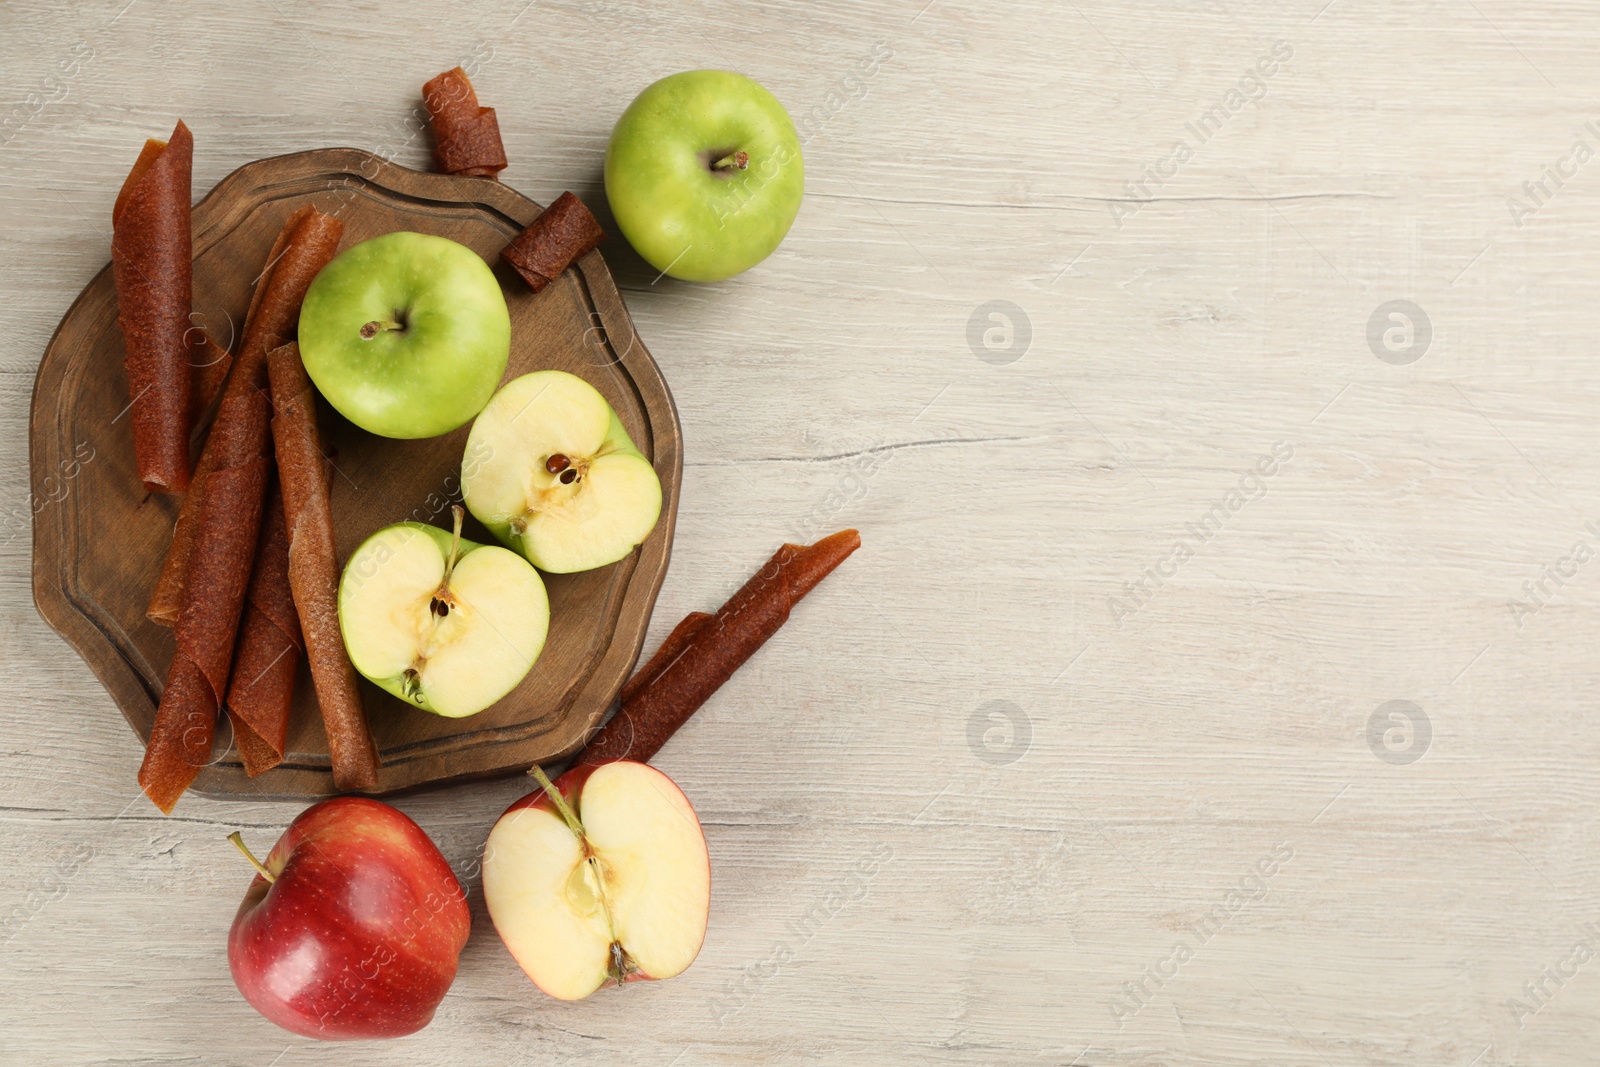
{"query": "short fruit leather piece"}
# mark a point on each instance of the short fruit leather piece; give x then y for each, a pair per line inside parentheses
(466, 136)
(563, 231)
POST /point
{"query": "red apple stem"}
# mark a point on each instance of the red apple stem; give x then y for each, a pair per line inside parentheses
(238, 842)
(568, 816)
(621, 965)
(734, 161)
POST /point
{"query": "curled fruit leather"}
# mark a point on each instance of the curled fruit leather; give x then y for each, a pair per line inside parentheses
(563, 231)
(261, 691)
(466, 137)
(304, 246)
(232, 491)
(703, 650)
(151, 255)
(670, 650)
(314, 569)
(208, 369)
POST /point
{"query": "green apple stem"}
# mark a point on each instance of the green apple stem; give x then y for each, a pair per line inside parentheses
(460, 514)
(377, 326)
(733, 161)
(238, 842)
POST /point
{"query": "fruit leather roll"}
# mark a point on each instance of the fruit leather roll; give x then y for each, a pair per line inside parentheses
(673, 647)
(232, 491)
(208, 370)
(314, 569)
(151, 255)
(261, 691)
(466, 136)
(304, 246)
(709, 650)
(563, 231)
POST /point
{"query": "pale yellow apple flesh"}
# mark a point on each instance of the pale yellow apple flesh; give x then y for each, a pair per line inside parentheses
(451, 646)
(626, 899)
(556, 476)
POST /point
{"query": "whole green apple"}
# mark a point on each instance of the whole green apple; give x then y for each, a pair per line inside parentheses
(704, 174)
(406, 335)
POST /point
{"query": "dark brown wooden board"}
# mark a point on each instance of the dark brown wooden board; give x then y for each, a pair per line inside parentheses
(99, 544)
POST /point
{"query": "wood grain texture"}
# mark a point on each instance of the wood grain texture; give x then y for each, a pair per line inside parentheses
(1001, 505)
(94, 588)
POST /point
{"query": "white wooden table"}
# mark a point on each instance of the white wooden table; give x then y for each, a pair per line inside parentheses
(1103, 706)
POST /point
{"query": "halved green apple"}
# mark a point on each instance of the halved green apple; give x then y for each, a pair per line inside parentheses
(561, 481)
(441, 622)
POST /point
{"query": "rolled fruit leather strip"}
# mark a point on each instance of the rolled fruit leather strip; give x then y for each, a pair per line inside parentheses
(466, 136)
(233, 493)
(670, 650)
(713, 649)
(261, 691)
(314, 570)
(304, 246)
(208, 370)
(563, 231)
(151, 253)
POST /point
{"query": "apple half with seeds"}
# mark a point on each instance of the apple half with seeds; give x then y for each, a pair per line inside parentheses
(443, 623)
(560, 480)
(599, 879)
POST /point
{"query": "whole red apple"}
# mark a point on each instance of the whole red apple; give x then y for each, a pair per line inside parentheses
(353, 926)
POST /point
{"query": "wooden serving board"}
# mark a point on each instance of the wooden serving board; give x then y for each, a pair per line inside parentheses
(99, 540)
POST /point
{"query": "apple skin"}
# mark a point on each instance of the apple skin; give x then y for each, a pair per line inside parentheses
(685, 219)
(360, 934)
(428, 378)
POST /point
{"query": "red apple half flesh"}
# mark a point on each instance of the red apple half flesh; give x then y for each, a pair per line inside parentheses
(353, 927)
(615, 888)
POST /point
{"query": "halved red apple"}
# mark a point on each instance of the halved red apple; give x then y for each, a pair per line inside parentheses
(600, 878)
